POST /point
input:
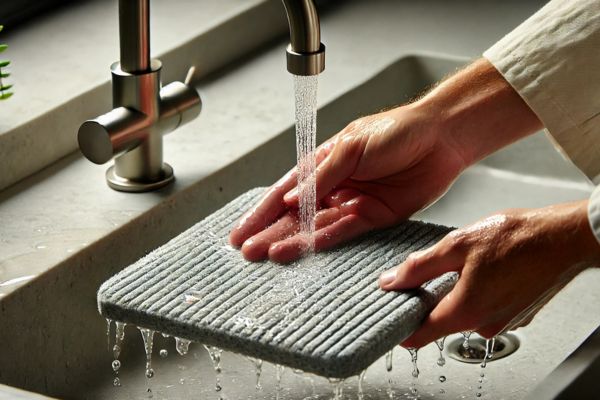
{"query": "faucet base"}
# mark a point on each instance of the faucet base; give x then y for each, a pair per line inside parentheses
(122, 184)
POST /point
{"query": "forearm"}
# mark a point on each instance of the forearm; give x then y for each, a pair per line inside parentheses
(478, 112)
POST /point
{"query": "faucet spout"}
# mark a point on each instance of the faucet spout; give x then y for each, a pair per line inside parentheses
(305, 53)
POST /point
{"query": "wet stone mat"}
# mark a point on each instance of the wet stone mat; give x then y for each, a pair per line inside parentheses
(324, 314)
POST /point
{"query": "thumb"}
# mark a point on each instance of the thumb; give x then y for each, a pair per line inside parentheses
(422, 266)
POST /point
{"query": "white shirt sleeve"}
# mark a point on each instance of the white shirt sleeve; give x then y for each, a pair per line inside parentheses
(553, 61)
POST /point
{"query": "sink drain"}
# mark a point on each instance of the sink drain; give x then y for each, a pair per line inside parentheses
(505, 345)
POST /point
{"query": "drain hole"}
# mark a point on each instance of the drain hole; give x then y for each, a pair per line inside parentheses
(506, 344)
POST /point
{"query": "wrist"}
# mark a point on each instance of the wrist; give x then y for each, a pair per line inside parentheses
(478, 112)
(571, 223)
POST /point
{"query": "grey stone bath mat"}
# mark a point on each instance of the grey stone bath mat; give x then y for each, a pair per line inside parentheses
(324, 315)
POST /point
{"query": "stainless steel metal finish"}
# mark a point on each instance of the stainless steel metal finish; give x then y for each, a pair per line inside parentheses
(134, 34)
(504, 345)
(306, 53)
(143, 111)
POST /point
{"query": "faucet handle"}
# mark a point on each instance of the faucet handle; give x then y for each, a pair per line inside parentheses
(112, 134)
(179, 104)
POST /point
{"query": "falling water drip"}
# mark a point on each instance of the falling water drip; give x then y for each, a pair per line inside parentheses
(119, 337)
(215, 357)
(388, 360)
(338, 388)
(163, 353)
(116, 364)
(148, 337)
(258, 370)
(182, 345)
(361, 379)
(466, 336)
(388, 366)
(489, 353)
(305, 88)
(108, 324)
(440, 345)
(441, 360)
(279, 370)
(415, 372)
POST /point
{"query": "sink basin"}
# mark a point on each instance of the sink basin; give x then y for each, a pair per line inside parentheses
(55, 341)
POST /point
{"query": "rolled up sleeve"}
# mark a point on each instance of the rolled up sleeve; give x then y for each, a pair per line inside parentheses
(553, 61)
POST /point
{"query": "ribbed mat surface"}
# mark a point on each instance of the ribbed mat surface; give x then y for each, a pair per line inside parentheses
(324, 315)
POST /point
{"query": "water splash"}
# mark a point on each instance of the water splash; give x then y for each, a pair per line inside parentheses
(305, 88)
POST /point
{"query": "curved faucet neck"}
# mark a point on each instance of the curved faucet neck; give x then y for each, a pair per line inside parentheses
(306, 53)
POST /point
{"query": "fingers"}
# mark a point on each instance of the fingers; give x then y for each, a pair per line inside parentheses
(338, 165)
(257, 247)
(422, 266)
(268, 209)
(446, 318)
(344, 229)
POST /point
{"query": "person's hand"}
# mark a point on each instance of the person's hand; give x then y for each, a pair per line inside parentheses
(381, 169)
(510, 264)
(374, 173)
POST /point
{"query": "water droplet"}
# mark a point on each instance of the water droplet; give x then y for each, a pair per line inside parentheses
(442, 378)
(182, 345)
(163, 353)
(116, 382)
(389, 360)
(116, 365)
(149, 373)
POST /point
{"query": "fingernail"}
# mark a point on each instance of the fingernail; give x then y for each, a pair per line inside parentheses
(291, 195)
(387, 277)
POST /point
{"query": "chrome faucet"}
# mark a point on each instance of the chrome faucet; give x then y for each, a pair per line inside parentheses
(143, 111)
(305, 53)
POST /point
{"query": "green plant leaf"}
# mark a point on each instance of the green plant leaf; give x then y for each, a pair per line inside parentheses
(5, 96)
(4, 64)
(3, 47)
(1, 27)
(4, 88)
(4, 74)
